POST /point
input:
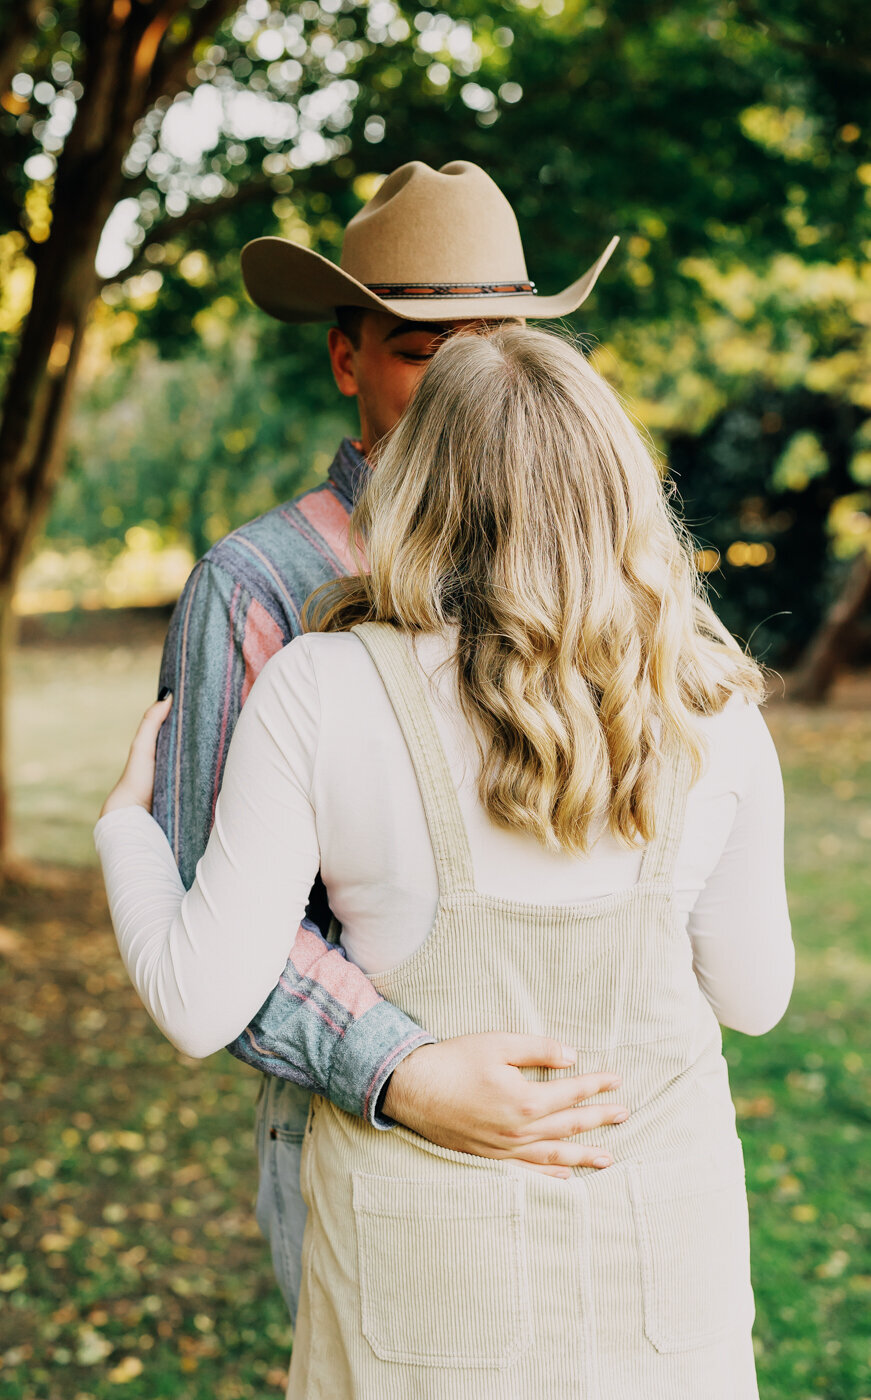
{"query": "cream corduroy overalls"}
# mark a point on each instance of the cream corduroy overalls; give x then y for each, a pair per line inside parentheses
(430, 1274)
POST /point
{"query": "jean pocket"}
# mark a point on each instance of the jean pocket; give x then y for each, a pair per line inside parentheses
(442, 1268)
(693, 1236)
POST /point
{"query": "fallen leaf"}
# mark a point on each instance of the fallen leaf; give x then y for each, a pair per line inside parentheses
(92, 1347)
(126, 1370)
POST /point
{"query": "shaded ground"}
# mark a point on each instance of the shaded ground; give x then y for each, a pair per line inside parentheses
(131, 1252)
(131, 1262)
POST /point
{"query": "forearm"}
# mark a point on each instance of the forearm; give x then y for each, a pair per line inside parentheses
(326, 1028)
(199, 983)
(318, 1020)
(740, 929)
(323, 1026)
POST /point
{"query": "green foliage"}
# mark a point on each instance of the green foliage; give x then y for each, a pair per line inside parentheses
(728, 147)
(199, 444)
(799, 463)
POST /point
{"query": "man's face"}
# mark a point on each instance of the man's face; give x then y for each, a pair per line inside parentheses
(384, 370)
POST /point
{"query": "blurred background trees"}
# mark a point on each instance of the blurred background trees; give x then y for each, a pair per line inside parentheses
(145, 141)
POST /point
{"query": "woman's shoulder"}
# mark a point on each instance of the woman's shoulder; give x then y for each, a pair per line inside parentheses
(302, 654)
(736, 711)
(740, 748)
(738, 721)
(335, 664)
(328, 654)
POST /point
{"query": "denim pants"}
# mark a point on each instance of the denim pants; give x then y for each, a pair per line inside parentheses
(282, 1111)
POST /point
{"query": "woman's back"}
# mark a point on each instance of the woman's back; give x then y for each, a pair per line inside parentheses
(376, 855)
(465, 1276)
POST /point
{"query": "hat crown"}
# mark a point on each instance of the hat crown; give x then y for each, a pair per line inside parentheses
(451, 226)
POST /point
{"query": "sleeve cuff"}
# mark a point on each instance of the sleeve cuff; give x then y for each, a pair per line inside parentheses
(367, 1055)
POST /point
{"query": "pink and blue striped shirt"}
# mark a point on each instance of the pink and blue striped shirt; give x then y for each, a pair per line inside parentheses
(324, 1027)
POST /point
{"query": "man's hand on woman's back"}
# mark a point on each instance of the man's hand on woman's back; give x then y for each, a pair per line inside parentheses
(468, 1094)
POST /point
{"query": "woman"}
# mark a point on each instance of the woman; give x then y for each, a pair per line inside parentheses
(530, 764)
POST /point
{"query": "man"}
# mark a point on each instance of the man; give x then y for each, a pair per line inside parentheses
(434, 253)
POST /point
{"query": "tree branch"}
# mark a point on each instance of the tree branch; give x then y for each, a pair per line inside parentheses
(169, 74)
(204, 212)
(14, 35)
(854, 59)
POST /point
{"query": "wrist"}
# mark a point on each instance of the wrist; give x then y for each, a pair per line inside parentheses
(402, 1087)
(119, 799)
(118, 803)
(380, 1111)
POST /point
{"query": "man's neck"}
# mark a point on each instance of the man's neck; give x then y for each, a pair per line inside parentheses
(349, 469)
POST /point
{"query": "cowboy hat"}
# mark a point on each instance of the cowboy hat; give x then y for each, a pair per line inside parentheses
(431, 245)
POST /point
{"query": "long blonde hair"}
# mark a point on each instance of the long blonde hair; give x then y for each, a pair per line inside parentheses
(516, 500)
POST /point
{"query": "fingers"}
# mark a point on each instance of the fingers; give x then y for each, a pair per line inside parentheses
(557, 1158)
(536, 1050)
(144, 745)
(576, 1120)
(562, 1172)
(553, 1095)
(136, 784)
(149, 726)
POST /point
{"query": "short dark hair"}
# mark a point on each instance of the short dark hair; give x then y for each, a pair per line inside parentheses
(349, 319)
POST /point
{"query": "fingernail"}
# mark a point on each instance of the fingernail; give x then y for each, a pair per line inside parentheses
(621, 1116)
(601, 1161)
(163, 692)
(569, 1052)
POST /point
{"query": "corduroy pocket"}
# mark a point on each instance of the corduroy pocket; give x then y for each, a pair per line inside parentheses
(693, 1236)
(442, 1267)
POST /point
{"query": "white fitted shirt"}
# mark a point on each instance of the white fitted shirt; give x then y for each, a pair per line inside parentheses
(318, 776)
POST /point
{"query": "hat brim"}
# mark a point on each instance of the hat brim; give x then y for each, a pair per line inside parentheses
(297, 285)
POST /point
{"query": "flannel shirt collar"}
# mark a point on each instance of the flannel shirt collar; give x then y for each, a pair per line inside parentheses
(348, 471)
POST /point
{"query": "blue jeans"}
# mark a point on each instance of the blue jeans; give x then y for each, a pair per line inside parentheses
(282, 1110)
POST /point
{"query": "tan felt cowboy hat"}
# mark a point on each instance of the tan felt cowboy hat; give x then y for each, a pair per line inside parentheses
(431, 245)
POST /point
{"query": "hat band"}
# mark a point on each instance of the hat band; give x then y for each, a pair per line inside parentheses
(416, 291)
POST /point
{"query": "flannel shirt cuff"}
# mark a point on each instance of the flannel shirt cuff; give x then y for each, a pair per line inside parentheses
(367, 1055)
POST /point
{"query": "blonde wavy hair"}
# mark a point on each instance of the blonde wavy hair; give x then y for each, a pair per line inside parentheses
(516, 500)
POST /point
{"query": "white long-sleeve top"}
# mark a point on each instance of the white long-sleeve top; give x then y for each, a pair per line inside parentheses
(318, 776)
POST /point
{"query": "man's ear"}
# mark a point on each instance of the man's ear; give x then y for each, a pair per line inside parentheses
(344, 362)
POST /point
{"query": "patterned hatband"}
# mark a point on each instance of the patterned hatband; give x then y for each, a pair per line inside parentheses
(413, 290)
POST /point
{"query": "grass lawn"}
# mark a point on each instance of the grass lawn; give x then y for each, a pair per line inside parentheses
(132, 1265)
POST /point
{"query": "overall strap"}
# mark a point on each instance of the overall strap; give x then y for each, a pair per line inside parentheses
(660, 854)
(389, 650)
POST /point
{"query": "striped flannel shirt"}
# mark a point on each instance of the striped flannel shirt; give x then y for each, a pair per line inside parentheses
(324, 1026)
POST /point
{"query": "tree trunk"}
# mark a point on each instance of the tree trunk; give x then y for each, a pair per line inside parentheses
(127, 67)
(7, 624)
(122, 45)
(832, 646)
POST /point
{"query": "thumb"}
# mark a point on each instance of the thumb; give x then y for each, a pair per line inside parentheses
(135, 787)
(538, 1050)
(145, 738)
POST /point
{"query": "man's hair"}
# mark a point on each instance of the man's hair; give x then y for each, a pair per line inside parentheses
(349, 320)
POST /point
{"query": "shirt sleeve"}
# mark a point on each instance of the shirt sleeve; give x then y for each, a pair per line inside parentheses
(204, 961)
(204, 666)
(740, 929)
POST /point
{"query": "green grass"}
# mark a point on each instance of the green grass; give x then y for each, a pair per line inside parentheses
(132, 1264)
(72, 716)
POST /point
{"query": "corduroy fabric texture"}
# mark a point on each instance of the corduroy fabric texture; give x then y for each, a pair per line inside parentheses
(430, 1274)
